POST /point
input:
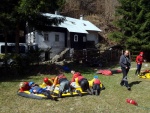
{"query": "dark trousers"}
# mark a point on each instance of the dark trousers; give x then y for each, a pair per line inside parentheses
(84, 84)
(138, 70)
(124, 80)
(47, 94)
(96, 87)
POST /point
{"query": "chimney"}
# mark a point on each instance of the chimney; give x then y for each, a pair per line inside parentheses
(81, 17)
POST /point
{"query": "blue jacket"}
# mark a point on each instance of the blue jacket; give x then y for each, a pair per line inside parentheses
(37, 88)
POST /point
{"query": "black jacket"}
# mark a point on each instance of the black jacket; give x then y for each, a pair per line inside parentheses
(125, 61)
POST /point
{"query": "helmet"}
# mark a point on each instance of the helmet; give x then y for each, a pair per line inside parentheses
(96, 76)
(46, 79)
(30, 83)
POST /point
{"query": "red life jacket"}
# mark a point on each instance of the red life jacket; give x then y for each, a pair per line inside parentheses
(61, 76)
(97, 81)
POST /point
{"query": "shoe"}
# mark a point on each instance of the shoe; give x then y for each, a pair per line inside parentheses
(121, 84)
(129, 88)
(79, 92)
(71, 93)
(93, 93)
(89, 91)
(96, 92)
(60, 94)
(103, 87)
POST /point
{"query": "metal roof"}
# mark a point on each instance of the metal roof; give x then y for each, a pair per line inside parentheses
(75, 25)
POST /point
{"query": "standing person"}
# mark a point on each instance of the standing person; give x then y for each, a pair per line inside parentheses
(139, 61)
(125, 64)
(83, 82)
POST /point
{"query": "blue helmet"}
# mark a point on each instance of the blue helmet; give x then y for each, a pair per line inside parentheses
(96, 76)
(30, 83)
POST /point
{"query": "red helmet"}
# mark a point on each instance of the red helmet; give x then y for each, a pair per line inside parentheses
(46, 79)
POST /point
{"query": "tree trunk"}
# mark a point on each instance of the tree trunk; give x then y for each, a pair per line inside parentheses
(17, 38)
(6, 52)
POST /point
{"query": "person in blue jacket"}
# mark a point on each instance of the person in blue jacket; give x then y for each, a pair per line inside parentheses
(38, 90)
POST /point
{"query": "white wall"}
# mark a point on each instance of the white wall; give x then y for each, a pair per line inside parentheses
(38, 38)
(51, 40)
(30, 37)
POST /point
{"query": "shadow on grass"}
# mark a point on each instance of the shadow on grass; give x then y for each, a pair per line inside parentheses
(11, 74)
(134, 83)
(45, 69)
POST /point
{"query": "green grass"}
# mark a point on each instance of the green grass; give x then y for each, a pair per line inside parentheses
(111, 100)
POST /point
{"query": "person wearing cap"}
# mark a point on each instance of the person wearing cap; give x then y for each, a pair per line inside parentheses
(125, 64)
(139, 61)
(83, 82)
(64, 84)
(96, 85)
(38, 90)
(24, 86)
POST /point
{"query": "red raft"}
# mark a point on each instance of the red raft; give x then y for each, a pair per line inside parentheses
(108, 72)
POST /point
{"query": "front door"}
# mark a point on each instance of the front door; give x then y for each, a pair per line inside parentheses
(78, 41)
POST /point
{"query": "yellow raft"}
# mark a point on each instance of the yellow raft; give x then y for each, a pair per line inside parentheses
(144, 75)
(77, 91)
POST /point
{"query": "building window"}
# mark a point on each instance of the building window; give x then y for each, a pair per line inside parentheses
(75, 38)
(56, 38)
(45, 36)
(84, 39)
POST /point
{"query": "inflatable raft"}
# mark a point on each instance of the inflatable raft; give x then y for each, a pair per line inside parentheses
(77, 91)
(145, 74)
(27, 94)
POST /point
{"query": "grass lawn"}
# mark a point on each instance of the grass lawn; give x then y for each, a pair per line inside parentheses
(111, 100)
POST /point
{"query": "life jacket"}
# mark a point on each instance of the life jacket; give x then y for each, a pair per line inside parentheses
(50, 82)
(25, 88)
(139, 59)
(61, 78)
(96, 81)
(80, 78)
